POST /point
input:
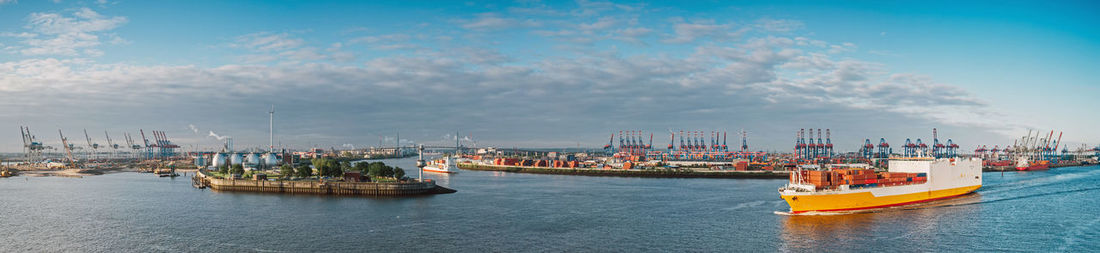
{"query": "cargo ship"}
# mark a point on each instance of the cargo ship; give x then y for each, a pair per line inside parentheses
(909, 180)
(1023, 164)
(445, 165)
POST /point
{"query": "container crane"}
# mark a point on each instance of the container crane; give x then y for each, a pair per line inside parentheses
(111, 144)
(867, 151)
(134, 149)
(146, 141)
(94, 147)
(68, 149)
(910, 148)
(32, 148)
(608, 147)
(952, 148)
(937, 147)
(671, 141)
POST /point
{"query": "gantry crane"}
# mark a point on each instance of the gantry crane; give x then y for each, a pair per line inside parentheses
(93, 146)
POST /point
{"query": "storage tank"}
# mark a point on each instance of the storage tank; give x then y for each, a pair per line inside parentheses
(218, 160)
(236, 159)
(200, 160)
(271, 159)
(252, 159)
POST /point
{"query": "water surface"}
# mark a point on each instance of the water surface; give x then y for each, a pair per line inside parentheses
(495, 211)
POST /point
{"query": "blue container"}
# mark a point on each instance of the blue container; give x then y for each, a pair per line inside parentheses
(922, 174)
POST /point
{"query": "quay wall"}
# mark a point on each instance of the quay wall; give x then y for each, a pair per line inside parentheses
(316, 187)
(629, 173)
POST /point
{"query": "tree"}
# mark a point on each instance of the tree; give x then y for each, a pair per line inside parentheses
(329, 167)
(398, 173)
(304, 171)
(345, 166)
(335, 168)
(362, 167)
(237, 169)
(379, 169)
(286, 171)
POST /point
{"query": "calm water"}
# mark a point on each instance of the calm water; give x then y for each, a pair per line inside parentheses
(1034, 211)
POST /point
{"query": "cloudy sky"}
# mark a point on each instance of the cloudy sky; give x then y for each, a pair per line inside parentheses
(546, 74)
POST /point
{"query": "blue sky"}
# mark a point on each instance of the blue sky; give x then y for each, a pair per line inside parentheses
(546, 74)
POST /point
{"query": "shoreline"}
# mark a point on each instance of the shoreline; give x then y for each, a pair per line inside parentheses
(371, 189)
(631, 173)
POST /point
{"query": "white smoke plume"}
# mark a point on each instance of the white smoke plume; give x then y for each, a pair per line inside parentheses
(193, 128)
(453, 137)
(219, 137)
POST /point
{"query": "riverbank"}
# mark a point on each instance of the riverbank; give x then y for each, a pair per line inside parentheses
(655, 173)
(428, 187)
(1013, 167)
(75, 173)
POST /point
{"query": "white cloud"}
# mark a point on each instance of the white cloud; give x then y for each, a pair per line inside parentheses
(284, 48)
(264, 41)
(493, 21)
(685, 32)
(779, 25)
(382, 38)
(786, 80)
(58, 34)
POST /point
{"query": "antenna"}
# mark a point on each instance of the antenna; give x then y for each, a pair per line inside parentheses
(271, 131)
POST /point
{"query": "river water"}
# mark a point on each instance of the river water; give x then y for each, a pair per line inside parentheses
(496, 211)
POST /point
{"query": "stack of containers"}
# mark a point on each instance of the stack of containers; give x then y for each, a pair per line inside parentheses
(859, 177)
(820, 179)
(742, 166)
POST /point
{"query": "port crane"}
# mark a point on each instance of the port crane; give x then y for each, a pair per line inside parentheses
(111, 144)
(68, 149)
(94, 147)
(32, 149)
(134, 148)
(146, 140)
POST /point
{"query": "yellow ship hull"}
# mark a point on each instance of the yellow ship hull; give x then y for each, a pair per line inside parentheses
(833, 202)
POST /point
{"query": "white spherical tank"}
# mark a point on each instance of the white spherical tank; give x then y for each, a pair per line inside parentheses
(218, 160)
(252, 159)
(271, 159)
(236, 159)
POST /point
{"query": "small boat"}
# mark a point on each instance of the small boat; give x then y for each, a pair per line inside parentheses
(1023, 164)
(446, 165)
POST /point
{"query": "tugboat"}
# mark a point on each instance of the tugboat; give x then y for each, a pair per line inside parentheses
(446, 165)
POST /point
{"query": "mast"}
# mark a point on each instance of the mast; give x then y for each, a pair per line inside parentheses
(271, 130)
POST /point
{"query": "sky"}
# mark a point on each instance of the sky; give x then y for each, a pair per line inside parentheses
(530, 73)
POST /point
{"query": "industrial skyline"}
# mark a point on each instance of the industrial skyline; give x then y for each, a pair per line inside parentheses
(553, 74)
